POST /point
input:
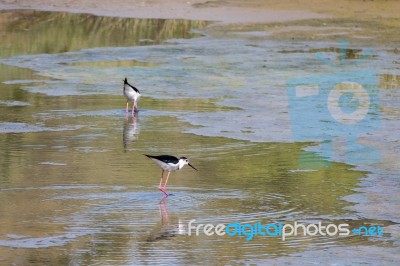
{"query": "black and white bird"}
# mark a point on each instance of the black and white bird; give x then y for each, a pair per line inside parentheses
(170, 164)
(131, 94)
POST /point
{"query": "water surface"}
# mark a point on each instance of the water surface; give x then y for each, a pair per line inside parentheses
(74, 184)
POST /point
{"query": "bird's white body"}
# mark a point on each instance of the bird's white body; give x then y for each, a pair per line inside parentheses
(170, 166)
(130, 94)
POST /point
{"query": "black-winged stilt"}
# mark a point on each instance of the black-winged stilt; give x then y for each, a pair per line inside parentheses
(169, 163)
(131, 94)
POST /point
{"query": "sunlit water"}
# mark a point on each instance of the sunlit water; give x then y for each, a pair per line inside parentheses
(74, 184)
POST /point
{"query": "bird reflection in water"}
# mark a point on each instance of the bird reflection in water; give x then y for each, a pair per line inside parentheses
(167, 227)
(131, 130)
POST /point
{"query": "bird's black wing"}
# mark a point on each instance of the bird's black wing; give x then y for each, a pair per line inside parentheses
(164, 158)
(126, 83)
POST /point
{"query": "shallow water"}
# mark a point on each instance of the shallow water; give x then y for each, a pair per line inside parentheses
(76, 189)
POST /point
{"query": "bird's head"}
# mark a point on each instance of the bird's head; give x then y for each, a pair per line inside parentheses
(184, 161)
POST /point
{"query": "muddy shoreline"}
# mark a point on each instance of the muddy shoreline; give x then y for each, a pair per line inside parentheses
(228, 11)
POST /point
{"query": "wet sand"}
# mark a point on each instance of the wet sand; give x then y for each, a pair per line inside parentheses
(228, 11)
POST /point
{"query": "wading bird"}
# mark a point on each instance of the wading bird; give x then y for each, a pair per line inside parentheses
(131, 94)
(170, 164)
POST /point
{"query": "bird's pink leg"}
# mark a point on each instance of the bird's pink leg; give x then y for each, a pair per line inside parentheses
(162, 176)
(166, 181)
(127, 106)
(162, 189)
(165, 193)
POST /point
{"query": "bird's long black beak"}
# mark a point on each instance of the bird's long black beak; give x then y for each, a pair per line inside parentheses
(193, 167)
